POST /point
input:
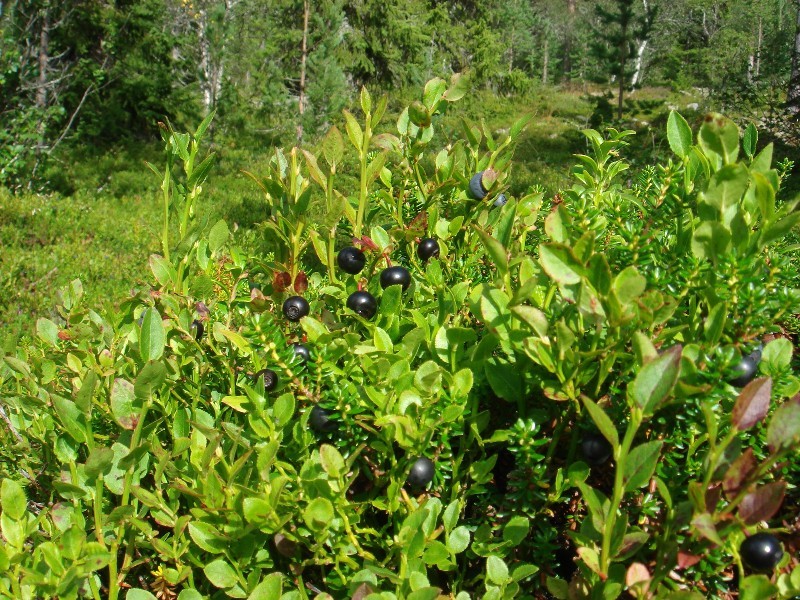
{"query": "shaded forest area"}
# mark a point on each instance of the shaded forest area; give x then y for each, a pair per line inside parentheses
(90, 73)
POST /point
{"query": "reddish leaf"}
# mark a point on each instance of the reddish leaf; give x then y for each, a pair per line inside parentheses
(366, 243)
(686, 560)
(300, 283)
(704, 525)
(752, 404)
(713, 494)
(258, 301)
(362, 591)
(738, 472)
(281, 281)
(419, 223)
(202, 310)
(763, 503)
(637, 573)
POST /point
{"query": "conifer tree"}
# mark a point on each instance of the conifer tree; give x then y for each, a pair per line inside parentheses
(621, 25)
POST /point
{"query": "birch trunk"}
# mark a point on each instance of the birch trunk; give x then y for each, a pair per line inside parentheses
(43, 60)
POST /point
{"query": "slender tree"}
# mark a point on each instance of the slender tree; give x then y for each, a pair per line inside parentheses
(621, 27)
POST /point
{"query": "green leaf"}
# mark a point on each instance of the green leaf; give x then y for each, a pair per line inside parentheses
(163, 271)
(123, 404)
(221, 574)
(459, 86)
(505, 379)
(435, 553)
(640, 465)
(366, 100)
(496, 570)
(13, 500)
(604, 423)
(654, 383)
(139, 594)
(318, 514)
(83, 399)
(516, 530)
(434, 91)
(458, 540)
(333, 146)
(218, 236)
(99, 461)
(382, 341)
(757, 587)
(332, 461)
(207, 537)
(679, 134)
(629, 285)
(271, 587)
(71, 417)
(719, 139)
(778, 354)
(151, 340)
(354, 131)
(710, 240)
(496, 251)
(750, 140)
(221, 333)
(150, 379)
(560, 264)
(189, 594)
(715, 322)
(47, 331)
(783, 431)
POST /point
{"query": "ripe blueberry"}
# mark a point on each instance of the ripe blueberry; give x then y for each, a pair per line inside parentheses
(395, 276)
(295, 308)
(198, 327)
(302, 351)
(421, 473)
(351, 260)
(761, 552)
(476, 188)
(428, 248)
(745, 371)
(500, 200)
(362, 303)
(595, 448)
(320, 420)
(270, 379)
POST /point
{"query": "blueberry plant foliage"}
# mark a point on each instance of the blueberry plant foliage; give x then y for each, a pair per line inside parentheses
(181, 447)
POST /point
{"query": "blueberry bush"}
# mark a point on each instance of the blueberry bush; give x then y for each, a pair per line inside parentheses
(423, 387)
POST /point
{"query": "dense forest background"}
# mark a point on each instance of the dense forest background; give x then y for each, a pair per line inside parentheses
(278, 71)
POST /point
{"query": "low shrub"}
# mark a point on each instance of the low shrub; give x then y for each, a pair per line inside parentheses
(588, 395)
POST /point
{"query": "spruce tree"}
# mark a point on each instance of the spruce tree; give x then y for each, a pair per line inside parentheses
(621, 25)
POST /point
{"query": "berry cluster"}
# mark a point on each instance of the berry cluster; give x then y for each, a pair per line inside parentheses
(352, 261)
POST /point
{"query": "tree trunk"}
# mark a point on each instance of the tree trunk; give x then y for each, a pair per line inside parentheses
(44, 61)
(623, 59)
(637, 73)
(205, 62)
(301, 101)
(793, 95)
(571, 8)
(546, 59)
